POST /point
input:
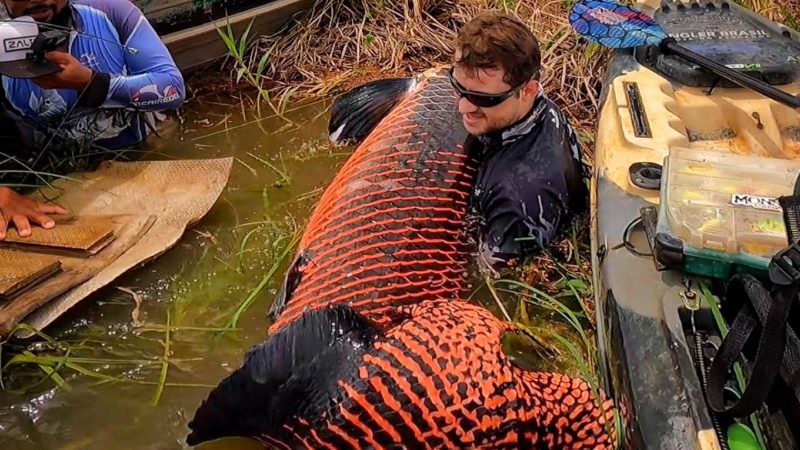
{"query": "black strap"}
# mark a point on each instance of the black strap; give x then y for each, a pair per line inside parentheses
(763, 313)
(769, 353)
(790, 370)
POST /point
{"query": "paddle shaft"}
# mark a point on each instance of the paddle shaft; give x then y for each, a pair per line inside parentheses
(793, 101)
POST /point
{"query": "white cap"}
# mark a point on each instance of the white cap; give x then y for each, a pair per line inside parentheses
(16, 37)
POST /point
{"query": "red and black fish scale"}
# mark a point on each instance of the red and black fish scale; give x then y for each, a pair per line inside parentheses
(438, 379)
(390, 228)
(441, 380)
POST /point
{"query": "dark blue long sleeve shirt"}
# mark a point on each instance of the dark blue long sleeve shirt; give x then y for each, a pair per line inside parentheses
(530, 183)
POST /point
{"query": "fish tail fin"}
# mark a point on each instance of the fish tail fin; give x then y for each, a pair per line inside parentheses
(279, 375)
(218, 415)
(357, 112)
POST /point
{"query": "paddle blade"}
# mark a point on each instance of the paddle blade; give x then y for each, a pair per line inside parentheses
(614, 25)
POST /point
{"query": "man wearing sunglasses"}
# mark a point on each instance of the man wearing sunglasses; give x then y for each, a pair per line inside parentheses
(529, 184)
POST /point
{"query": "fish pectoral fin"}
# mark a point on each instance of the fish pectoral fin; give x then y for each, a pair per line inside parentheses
(357, 112)
(294, 370)
(293, 277)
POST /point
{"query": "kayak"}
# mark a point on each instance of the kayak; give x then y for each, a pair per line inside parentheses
(687, 169)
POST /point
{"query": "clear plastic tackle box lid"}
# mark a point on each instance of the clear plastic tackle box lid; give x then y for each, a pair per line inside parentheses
(724, 202)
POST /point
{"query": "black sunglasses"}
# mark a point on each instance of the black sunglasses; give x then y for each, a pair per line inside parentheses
(480, 99)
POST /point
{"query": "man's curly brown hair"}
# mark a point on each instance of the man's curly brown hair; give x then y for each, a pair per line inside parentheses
(499, 41)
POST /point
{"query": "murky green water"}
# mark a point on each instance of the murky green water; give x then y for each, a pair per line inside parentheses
(275, 182)
(196, 287)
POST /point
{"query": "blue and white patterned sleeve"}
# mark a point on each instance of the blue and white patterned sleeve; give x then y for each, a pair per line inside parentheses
(153, 81)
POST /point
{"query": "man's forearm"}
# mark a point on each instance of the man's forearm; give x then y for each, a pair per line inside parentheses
(150, 91)
(146, 92)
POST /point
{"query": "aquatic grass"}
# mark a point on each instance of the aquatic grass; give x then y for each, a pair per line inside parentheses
(162, 379)
(175, 328)
(554, 326)
(557, 285)
(284, 176)
(299, 105)
(236, 50)
(51, 373)
(243, 246)
(43, 176)
(493, 292)
(61, 160)
(52, 365)
(583, 364)
(548, 302)
(261, 245)
(248, 301)
(521, 316)
(39, 174)
(564, 269)
(238, 270)
(47, 359)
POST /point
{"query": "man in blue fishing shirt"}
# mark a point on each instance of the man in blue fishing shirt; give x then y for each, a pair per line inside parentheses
(103, 89)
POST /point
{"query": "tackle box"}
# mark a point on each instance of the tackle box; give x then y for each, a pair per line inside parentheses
(719, 212)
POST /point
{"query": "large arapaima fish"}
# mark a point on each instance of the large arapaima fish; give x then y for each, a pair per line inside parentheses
(373, 347)
(390, 229)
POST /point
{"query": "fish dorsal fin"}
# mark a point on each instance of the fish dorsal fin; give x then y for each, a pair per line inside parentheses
(293, 370)
(357, 112)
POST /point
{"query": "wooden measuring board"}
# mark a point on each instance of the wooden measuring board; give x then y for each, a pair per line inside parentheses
(20, 271)
(81, 236)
